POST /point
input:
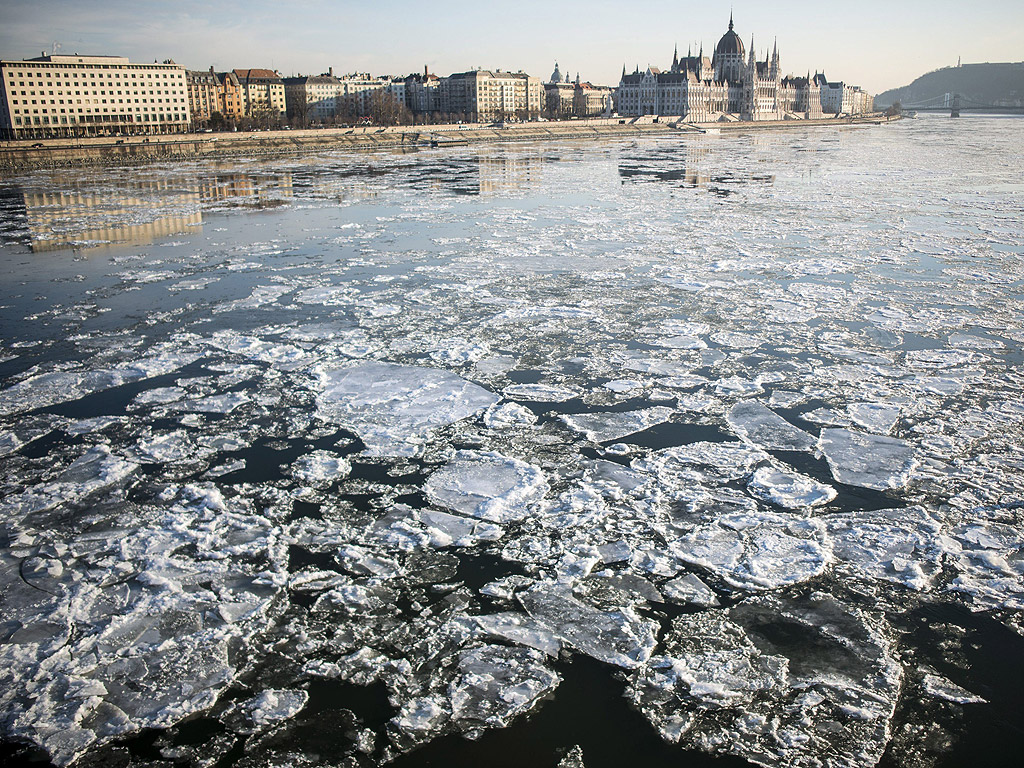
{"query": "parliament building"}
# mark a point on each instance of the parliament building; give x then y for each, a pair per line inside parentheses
(732, 85)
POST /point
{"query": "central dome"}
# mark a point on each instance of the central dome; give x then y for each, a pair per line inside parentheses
(730, 42)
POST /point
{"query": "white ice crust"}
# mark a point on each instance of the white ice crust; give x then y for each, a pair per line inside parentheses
(394, 408)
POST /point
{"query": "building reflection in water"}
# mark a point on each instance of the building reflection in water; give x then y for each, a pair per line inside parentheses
(138, 214)
(133, 216)
(259, 190)
(684, 166)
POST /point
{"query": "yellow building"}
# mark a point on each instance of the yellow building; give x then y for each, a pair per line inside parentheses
(262, 93)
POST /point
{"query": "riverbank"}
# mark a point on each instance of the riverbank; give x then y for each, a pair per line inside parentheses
(26, 155)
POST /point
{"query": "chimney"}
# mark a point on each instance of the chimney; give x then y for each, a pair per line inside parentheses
(426, 72)
(330, 71)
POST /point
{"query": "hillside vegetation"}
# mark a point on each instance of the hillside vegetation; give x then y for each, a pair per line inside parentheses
(996, 84)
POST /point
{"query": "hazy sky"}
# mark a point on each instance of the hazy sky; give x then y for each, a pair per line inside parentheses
(877, 44)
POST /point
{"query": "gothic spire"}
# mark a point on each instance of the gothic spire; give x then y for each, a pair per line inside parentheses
(730, 20)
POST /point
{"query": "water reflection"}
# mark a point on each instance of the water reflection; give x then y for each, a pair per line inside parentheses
(685, 166)
(64, 211)
(260, 190)
(135, 216)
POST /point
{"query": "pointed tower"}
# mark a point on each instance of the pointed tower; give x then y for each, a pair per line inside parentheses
(675, 59)
(776, 70)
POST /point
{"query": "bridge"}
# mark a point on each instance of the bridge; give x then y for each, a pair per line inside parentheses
(956, 103)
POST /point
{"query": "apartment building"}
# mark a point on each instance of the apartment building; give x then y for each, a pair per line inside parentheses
(262, 93)
(492, 95)
(72, 95)
(203, 94)
(312, 98)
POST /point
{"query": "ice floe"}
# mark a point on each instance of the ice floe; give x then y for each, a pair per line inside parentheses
(394, 408)
(488, 486)
(870, 461)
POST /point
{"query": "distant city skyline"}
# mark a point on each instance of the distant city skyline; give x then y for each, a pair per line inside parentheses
(873, 44)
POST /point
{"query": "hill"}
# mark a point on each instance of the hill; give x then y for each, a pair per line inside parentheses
(997, 84)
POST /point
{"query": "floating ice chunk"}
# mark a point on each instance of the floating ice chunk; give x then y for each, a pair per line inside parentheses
(539, 393)
(320, 468)
(989, 555)
(879, 418)
(737, 386)
(742, 682)
(285, 357)
(421, 716)
(618, 637)
(970, 341)
(490, 366)
(169, 448)
(160, 395)
(683, 381)
(48, 389)
(623, 385)
(736, 339)
(728, 461)
(260, 296)
(459, 351)
(494, 684)
(508, 415)
(328, 295)
(603, 427)
(789, 489)
(939, 358)
(869, 461)
(900, 545)
(690, 590)
(828, 416)
(761, 426)
(224, 403)
(395, 408)
(757, 551)
(264, 711)
(573, 758)
(520, 629)
(9, 443)
(699, 404)
(488, 486)
(446, 530)
(93, 471)
(681, 342)
(941, 688)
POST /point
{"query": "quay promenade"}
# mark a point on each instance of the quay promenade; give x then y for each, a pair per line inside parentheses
(23, 155)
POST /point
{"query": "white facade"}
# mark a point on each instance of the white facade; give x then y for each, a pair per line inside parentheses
(72, 95)
(312, 99)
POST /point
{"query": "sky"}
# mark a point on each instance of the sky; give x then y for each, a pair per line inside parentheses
(877, 44)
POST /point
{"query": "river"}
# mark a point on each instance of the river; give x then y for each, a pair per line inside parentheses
(697, 450)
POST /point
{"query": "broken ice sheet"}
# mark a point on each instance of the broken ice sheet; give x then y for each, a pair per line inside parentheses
(540, 393)
(869, 461)
(757, 551)
(320, 468)
(603, 427)
(899, 545)
(879, 418)
(725, 461)
(395, 408)
(757, 424)
(789, 489)
(488, 486)
(742, 682)
(941, 688)
(620, 638)
(265, 710)
(48, 389)
(155, 607)
(988, 553)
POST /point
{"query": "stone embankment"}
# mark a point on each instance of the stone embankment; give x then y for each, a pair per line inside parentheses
(26, 155)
